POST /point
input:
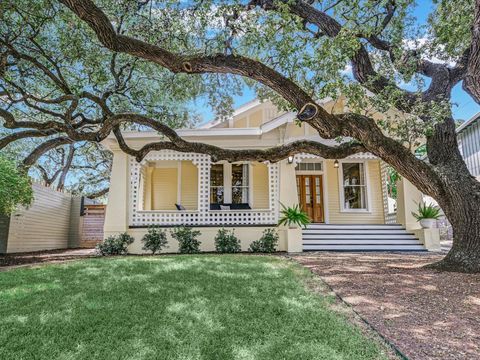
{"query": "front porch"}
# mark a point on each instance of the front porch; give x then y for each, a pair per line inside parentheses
(169, 189)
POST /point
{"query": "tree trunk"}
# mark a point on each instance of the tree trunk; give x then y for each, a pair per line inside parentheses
(461, 205)
(459, 198)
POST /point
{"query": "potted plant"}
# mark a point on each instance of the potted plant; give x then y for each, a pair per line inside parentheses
(293, 217)
(426, 215)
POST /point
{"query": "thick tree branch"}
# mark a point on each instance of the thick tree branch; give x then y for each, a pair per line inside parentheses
(471, 83)
(43, 148)
(23, 135)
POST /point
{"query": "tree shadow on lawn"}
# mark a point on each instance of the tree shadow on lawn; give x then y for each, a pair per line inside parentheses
(174, 307)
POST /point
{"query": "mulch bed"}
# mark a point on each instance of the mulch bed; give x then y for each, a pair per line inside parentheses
(424, 313)
(21, 259)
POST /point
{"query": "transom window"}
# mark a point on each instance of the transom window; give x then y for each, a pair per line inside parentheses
(354, 188)
(309, 166)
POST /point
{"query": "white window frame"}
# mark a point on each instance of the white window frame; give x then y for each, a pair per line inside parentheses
(227, 181)
(342, 189)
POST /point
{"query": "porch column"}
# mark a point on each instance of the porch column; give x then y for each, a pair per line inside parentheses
(408, 198)
(288, 184)
(116, 216)
(289, 197)
(147, 205)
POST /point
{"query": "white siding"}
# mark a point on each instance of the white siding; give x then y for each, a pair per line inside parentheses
(469, 142)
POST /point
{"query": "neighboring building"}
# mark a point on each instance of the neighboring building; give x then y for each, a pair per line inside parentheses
(348, 204)
(468, 135)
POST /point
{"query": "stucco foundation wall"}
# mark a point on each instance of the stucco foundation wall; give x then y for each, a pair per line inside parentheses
(245, 234)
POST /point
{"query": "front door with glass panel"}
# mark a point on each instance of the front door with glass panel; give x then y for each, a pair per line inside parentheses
(310, 194)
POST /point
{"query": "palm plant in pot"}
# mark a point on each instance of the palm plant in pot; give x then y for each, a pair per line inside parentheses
(427, 215)
(293, 217)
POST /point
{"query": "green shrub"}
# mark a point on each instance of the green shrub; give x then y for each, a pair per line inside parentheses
(227, 242)
(155, 239)
(187, 239)
(15, 187)
(267, 243)
(115, 245)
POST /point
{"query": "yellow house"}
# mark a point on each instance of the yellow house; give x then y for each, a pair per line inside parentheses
(346, 199)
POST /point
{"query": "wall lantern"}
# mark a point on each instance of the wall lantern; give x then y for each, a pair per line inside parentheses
(335, 164)
(290, 159)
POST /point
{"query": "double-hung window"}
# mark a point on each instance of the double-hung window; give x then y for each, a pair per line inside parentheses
(229, 184)
(240, 184)
(217, 190)
(353, 186)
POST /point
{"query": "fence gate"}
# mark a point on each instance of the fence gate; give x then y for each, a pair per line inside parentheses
(93, 218)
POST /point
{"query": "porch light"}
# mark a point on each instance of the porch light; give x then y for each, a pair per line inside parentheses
(335, 164)
(290, 159)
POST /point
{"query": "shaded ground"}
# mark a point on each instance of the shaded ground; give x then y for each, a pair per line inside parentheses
(176, 307)
(426, 314)
(15, 260)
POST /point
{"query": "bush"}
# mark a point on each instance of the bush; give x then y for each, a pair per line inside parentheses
(155, 239)
(15, 187)
(187, 240)
(267, 243)
(227, 242)
(115, 245)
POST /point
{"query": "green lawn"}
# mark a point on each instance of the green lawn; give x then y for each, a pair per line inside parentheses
(172, 307)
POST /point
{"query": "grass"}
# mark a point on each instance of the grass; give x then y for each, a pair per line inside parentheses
(173, 307)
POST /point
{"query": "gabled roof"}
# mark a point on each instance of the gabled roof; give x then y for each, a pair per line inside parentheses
(475, 118)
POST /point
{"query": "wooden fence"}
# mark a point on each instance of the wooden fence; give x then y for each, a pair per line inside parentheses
(92, 220)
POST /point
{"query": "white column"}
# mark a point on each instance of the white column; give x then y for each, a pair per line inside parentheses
(227, 183)
(116, 216)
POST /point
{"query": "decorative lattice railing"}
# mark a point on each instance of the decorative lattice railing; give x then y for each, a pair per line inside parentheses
(202, 216)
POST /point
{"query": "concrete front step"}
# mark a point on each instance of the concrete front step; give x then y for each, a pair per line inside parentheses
(359, 237)
(361, 241)
(363, 248)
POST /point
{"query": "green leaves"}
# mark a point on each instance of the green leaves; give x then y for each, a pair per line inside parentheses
(293, 216)
(15, 187)
(427, 212)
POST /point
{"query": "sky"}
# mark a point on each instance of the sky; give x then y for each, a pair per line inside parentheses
(464, 107)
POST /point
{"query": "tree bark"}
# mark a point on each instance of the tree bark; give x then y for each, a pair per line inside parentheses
(459, 198)
(461, 205)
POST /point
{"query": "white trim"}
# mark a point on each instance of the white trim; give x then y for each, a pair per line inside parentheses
(468, 122)
(250, 184)
(326, 215)
(342, 191)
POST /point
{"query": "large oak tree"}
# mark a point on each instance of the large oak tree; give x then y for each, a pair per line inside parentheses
(69, 65)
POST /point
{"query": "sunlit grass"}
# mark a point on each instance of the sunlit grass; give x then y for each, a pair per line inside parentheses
(172, 307)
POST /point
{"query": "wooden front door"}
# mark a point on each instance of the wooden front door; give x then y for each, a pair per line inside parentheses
(310, 194)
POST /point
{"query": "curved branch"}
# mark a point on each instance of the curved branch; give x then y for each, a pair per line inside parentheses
(98, 193)
(23, 135)
(43, 148)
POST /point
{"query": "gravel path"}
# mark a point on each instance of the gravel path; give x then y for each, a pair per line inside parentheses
(426, 314)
